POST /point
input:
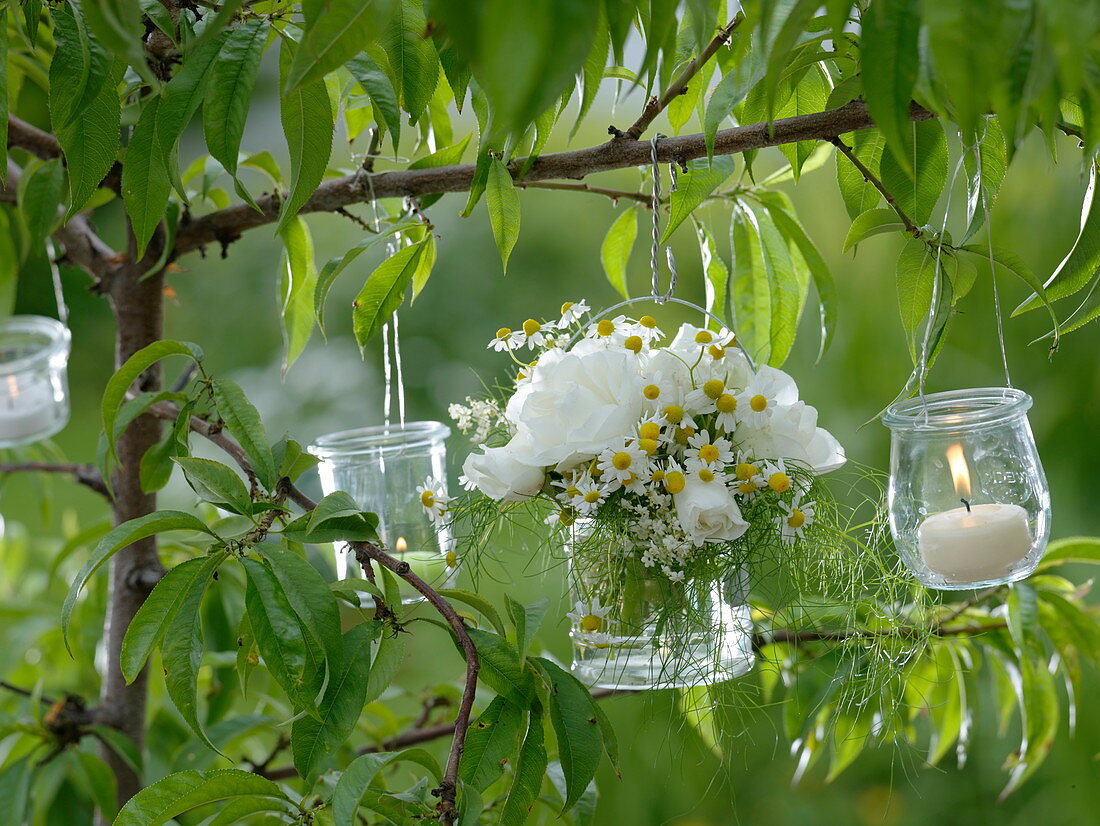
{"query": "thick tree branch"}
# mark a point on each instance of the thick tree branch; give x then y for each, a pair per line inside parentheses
(679, 86)
(87, 475)
(874, 181)
(41, 144)
(226, 225)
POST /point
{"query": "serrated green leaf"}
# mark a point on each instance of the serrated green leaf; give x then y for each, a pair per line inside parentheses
(298, 287)
(425, 265)
(216, 483)
(503, 202)
(490, 740)
(124, 535)
(580, 745)
(117, 24)
(308, 126)
(40, 193)
(79, 69)
(148, 626)
(500, 668)
(526, 619)
(859, 195)
(917, 192)
(616, 248)
(225, 108)
(1040, 713)
(889, 67)
(787, 285)
(870, 223)
(1015, 265)
(729, 92)
(243, 422)
(694, 187)
(916, 274)
(377, 84)
(335, 35)
(384, 292)
(751, 291)
(985, 164)
(334, 266)
(478, 603)
(413, 59)
(1072, 549)
(807, 97)
(181, 792)
(357, 777)
(530, 770)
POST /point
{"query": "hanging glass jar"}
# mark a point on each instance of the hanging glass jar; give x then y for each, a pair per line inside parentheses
(634, 628)
(968, 499)
(381, 468)
(34, 388)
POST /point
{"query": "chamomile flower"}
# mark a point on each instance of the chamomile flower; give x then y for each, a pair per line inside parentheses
(536, 334)
(705, 473)
(777, 476)
(635, 483)
(748, 481)
(450, 559)
(590, 616)
(704, 397)
(507, 340)
(610, 331)
(763, 393)
(675, 417)
(583, 494)
(620, 463)
(572, 312)
(796, 517)
(433, 498)
(707, 451)
(648, 330)
(726, 408)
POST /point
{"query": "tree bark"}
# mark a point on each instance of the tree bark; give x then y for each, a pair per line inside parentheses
(138, 310)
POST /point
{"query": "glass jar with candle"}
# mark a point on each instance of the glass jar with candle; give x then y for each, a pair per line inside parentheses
(34, 388)
(381, 467)
(968, 499)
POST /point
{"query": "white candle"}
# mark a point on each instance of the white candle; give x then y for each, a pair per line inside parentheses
(26, 409)
(977, 544)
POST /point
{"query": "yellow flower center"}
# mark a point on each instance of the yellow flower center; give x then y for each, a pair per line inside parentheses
(596, 472)
(747, 488)
(674, 413)
(605, 327)
(427, 499)
(631, 479)
(648, 446)
(592, 497)
(657, 476)
(779, 482)
(648, 321)
(745, 471)
(758, 403)
(503, 332)
(725, 403)
(797, 518)
(451, 559)
(713, 388)
(621, 460)
(651, 391)
(566, 307)
(520, 376)
(675, 482)
(633, 343)
(567, 516)
(684, 433)
(591, 623)
(705, 474)
(716, 351)
(704, 337)
(650, 430)
(530, 327)
(708, 453)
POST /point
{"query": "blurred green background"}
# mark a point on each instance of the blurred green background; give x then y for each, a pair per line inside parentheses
(229, 306)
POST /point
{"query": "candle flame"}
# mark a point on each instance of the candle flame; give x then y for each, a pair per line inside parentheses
(401, 545)
(960, 472)
(13, 387)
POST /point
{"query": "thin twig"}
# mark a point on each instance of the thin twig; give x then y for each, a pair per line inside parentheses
(615, 195)
(874, 181)
(185, 377)
(4, 684)
(679, 86)
(84, 474)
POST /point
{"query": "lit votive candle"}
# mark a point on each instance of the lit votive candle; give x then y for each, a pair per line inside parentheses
(26, 409)
(975, 543)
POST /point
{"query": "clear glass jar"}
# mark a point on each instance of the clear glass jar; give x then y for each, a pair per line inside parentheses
(968, 499)
(633, 628)
(381, 467)
(34, 387)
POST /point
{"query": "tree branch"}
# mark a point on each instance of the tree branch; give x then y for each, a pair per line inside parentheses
(615, 195)
(41, 144)
(679, 86)
(226, 225)
(87, 475)
(873, 180)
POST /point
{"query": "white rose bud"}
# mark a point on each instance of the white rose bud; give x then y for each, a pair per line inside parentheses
(709, 513)
(498, 475)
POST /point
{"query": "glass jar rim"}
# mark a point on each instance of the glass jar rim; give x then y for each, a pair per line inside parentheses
(379, 439)
(954, 410)
(57, 339)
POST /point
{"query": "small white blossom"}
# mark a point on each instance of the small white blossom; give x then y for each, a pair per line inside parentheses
(796, 517)
(623, 463)
(434, 499)
(709, 452)
(572, 312)
(506, 339)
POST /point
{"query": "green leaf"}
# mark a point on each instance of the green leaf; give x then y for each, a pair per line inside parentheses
(1072, 549)
(15, 787)
(335, 35)
(918, 191)
(478, 603)
(616, 248)
(527, 619)
(123, 536)
(334, 266)
(751, 290)
(79, 69)
(500, 668)
(376, 84)
(40, 193)
(489, 742)
(243, 807)
(183, 791)
(99, 780)
(787, 286)
(694, 187)
(1015, 265)
(298, 287)
(384, 292)
(530, 769)
(859, 195)
(1023, 619)
(391, 650)
(243, 422)
(413, 59)
(808, 97)
(424, 267)
(985, 164)
(729, 92)
(916, 274)
(342, 524)
(1040, 712)
(147, 628)
(117, 24)
(503, 202)
(285, 644)
(592, 75)
(308, 125)
(91, 142)
(580, 745)
(121, 745)
(870, 223)
(360, 773)
(889, 67)
(216, 483)
(717, 275)
(225, 108)
(313, 741)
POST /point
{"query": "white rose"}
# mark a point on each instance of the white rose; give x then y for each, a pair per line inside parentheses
(671, 374)
(709, 513)
(791, 432)
(500, 476)
(575, 405)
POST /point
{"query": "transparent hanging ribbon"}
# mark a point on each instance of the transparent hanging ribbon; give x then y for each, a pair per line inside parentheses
(55, 275)
(390, 365)
(655, 249)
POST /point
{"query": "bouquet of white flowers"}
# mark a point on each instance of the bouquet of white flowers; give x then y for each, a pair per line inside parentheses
(661, 461)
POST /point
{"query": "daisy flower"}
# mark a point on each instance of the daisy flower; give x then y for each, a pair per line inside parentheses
(572, 312)
(434, 499)
(584, 494)
(726, 407)
(535, 334)
(703, 399)
(610, 331)
(703, 472)
(507, 339)
(620, 463)
(748, 479)
(649, 331)
(768, 389)
(450, 559)
(674, 417)
(778, 479)
(590, 616)
(796, 517)
(706, 451)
